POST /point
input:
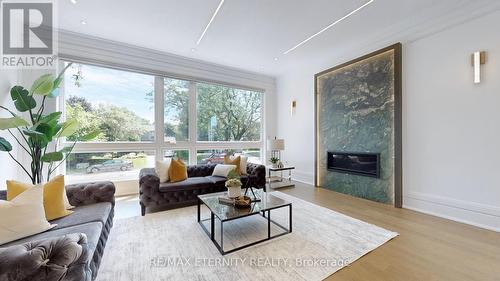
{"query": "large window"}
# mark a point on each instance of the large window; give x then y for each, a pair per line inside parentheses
(216, 156)
(182, 154)
(176, 116)
(107, 166)
(142, 118)
(117, 103)
(228, 114)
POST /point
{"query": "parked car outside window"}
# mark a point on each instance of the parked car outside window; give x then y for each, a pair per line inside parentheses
(111, 165)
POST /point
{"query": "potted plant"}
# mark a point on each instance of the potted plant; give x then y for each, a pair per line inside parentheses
(36, 132)
(233, 184)
(274, 161)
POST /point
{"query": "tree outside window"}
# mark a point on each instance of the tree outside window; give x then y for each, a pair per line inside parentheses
(228, 114)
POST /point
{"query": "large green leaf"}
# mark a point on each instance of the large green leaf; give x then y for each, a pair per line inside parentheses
(57, 81)
(22, 100)
(37, 138)
(50, 119)
(12, 122)
(46, 129)
(69, 128)
(32, 133)
(90, 136)
(57, 128)
(43, 85)
(53, 157)
(55, 86)
(5, 145)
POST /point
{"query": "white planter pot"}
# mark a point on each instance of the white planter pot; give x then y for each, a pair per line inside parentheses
(234, 191)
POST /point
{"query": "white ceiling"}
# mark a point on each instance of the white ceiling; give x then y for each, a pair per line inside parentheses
(249, 34)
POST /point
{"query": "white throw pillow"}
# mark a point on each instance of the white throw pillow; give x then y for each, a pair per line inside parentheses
(23, 216)
(243, 162)
(221, 170)
(162, 168)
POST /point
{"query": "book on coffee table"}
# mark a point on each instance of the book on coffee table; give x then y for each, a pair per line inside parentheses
(226, 200)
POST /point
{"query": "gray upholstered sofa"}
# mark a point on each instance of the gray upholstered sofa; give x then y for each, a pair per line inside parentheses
(154, 194)
(71, 251)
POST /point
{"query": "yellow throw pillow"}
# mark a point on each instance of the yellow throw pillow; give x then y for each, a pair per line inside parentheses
(234, 161)
(15, 188)
(177, 171)
(53, 196)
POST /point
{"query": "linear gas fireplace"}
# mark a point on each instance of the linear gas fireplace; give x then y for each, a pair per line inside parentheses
(363, 164)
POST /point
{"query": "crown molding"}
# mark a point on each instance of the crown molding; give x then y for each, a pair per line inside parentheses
(97, 50)
(414, 29)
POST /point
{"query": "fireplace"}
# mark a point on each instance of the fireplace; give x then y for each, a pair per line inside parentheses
(363, 164)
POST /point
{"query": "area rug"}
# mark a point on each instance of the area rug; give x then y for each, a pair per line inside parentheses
(171, 245)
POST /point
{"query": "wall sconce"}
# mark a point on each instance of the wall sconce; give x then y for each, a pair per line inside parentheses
(478, 58)
(293, 106)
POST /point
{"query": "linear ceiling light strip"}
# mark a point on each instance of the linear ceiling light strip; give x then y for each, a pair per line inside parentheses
(329, 26)
(210, 22)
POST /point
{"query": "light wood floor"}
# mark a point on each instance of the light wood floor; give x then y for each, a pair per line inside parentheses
(428, 248)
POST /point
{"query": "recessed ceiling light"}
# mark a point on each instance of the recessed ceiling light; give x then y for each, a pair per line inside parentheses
(329, 26)
(210, 22)
(276, 59)
(83, 22)
(73, 1)
(193, 50)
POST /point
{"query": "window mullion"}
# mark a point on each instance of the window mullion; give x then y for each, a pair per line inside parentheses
(193, 134)
(159, 98)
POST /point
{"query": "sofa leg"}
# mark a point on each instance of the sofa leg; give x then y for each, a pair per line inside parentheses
(143, 210)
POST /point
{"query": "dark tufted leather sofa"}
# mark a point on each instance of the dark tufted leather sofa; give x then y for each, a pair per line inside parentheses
(72, 250)
(154, 194)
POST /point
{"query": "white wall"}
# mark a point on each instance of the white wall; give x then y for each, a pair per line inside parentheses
(451, 130)
(8, 78)
(297, 130)
(451, 126)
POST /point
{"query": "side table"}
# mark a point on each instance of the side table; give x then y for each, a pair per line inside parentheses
(279, 181)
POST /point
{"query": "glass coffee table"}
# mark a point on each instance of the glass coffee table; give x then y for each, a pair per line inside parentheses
(225, 213)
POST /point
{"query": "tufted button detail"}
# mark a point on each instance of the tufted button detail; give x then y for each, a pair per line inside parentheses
(150, 195)
(46, 259)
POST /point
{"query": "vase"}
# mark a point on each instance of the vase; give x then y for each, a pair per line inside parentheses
(234, 191)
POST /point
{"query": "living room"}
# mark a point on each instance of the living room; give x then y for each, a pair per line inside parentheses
(249, 140)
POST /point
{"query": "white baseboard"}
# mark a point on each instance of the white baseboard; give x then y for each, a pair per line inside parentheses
(303, 177)
(476, 214)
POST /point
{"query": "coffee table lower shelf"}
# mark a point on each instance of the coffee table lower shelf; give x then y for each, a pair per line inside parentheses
(220, 247)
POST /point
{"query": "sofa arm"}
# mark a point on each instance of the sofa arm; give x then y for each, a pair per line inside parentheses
(148, 176)
(91, 193)
(149, 188)
(257, 173)
(64, 258)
